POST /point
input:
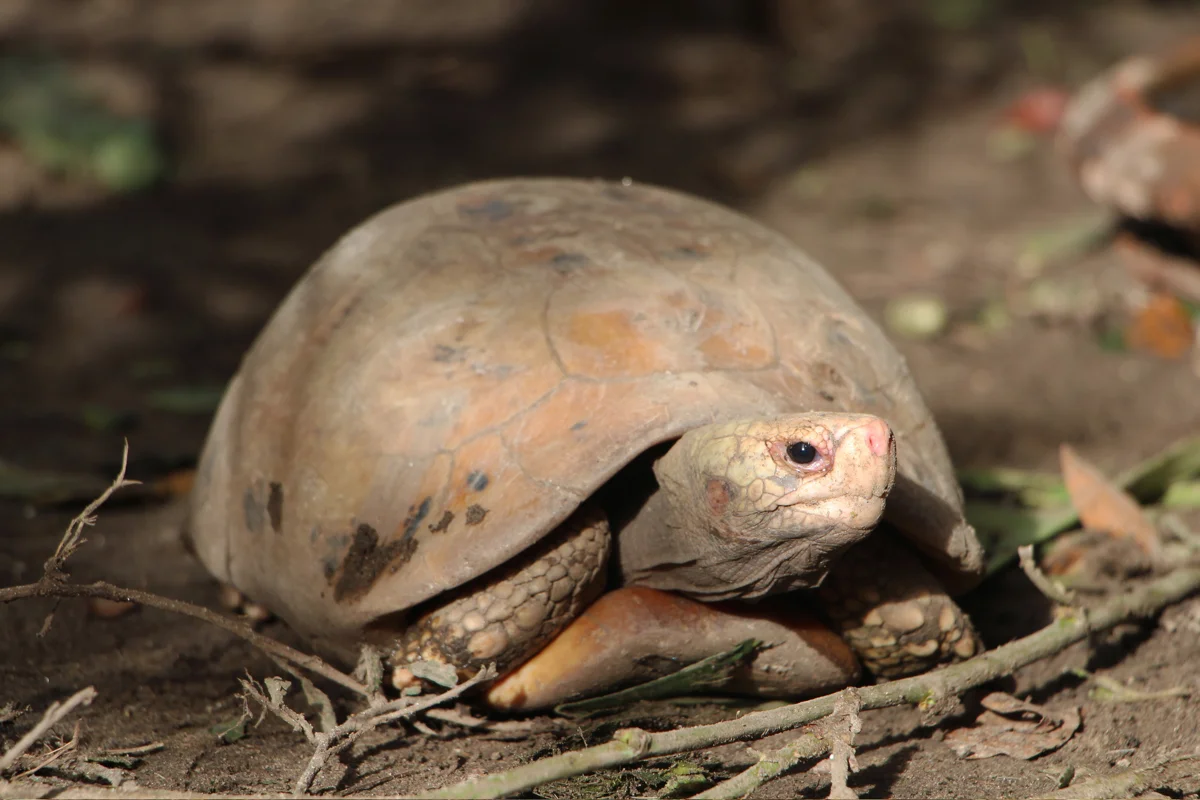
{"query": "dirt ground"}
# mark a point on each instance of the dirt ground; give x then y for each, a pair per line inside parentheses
(878, 164)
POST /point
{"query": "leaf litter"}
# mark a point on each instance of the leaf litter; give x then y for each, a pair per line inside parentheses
(1011, 727)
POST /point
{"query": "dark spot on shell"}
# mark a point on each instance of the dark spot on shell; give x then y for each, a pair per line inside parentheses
(415, 517)
(275, 506)
(718, 492)
(443, 523)
(686, 253)
(828, 381)
(492, 210)
(477, 480)
(252, 510)
(567, 261)
(578, 426)
(367, 560)
(444, 354)
(475, 514)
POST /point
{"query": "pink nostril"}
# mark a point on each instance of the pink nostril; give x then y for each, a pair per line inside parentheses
(879, 436)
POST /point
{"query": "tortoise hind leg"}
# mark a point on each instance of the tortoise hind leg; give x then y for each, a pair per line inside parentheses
(508, 614)
(892, 610)
(635, 634)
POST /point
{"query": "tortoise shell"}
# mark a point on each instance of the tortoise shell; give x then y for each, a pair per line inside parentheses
(456, 374)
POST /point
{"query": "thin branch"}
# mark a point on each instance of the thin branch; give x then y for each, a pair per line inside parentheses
(331, 742)
(805, 747)
(53, 568)
(1044, 584)
(268, 645)
(54, 714)
(925, 690)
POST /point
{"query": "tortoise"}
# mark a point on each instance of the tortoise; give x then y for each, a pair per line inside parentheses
(587, 431)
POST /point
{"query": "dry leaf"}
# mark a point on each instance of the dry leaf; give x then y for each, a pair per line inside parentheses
(1011, 727)
(1102, 505)
(1162, 327)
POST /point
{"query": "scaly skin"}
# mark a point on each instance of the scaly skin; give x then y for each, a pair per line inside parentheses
(737, 516)
(513, 612)
(893, 612)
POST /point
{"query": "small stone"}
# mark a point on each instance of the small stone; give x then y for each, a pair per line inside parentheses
(103, 608)
(256, 612)
(916, 316)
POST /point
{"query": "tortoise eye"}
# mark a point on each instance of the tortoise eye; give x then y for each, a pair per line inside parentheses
(802, 452)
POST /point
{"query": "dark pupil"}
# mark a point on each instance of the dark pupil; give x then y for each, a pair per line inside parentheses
(801, 452)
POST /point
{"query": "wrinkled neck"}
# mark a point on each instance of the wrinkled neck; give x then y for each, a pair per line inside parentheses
(665, 547)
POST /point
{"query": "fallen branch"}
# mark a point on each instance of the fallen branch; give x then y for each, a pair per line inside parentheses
(54, 715)
(53, 583)
(108, 591)
(925, 691)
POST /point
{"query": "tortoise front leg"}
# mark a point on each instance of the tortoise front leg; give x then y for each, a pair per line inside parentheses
(635, 634)
(892, 610)
(508, 614)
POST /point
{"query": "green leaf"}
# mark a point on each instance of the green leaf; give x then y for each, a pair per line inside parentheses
(1003, 527)
(704, 674)
(230, 731)
(443, 675)
(1182, 495)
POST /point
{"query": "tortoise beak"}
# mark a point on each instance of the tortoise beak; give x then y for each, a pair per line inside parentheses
(865, 439)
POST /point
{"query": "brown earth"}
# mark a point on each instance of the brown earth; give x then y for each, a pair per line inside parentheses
(874, 157)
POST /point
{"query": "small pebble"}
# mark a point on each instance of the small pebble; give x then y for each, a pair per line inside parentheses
(103, 608)
(916, 316)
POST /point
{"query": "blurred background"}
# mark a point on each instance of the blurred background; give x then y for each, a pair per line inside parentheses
(169, 168)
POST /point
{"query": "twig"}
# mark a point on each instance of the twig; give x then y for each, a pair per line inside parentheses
(240, 629)
(331, 742)
(54, 714)
(53, 583)
(53, 568)
(1127, 783)
(840, 729)
(926, 690)
(808, 746)
(53, 755)
(1050, 588)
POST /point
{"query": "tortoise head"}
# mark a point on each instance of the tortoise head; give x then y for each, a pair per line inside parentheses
(757, 507)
